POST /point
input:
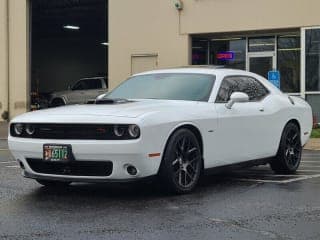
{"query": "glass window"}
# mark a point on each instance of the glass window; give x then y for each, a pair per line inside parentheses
(79, 85)
(314, 101)
(170, 86)
(200, 51)
(255, 90)
(228, 52)
(313, 60)
(93, 83)
(289, 62)
(261, 44)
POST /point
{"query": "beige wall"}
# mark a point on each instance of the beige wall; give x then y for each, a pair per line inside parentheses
(3, 58)
(153, 26)
(18, 57)
(13, 56)
(201, 16)
(144, 27)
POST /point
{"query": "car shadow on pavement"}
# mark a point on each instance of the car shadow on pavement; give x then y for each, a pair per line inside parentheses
(143, 190)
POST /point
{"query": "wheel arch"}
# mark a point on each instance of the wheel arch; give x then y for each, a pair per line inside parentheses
(194, 129)
(294, 121)
(62, 98)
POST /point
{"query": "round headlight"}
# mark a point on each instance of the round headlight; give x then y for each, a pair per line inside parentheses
(18, 128)
(134, 131)
(30, 129)
(119, 131)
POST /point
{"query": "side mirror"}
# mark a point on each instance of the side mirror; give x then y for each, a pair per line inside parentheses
(237, 97)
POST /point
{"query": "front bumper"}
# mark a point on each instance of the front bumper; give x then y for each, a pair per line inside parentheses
(120, 152)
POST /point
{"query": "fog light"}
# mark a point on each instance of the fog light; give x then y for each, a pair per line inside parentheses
(132, 170)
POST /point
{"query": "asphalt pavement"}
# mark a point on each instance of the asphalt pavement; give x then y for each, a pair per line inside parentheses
(247, 204)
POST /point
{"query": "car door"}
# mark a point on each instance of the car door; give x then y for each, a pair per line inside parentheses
(242, 128)
(77, 93)
(95, 88)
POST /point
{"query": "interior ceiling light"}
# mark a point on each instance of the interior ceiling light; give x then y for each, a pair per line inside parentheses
(71, 27)
(105, 44)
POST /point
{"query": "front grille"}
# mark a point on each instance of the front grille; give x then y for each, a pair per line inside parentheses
(73, 168)
(72, 131)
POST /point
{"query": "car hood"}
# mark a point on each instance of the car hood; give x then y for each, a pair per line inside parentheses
(93, 112)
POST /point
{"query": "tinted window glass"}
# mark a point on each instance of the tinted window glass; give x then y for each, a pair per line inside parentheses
(170, 86)
(93, 83)
(79, 85)
(289, 62)
(261, 44)
(313, 60)
(255, 90)
(230, 53)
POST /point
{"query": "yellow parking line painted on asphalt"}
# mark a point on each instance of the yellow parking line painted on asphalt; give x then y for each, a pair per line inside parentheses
(15, 166)
(307, 161)
(300, 178)
(4, 149)
(304, 170)
(8, 162)
(313, 166)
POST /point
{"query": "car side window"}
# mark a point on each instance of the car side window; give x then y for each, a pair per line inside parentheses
(80, 85)
(94, 83)
(255, 90)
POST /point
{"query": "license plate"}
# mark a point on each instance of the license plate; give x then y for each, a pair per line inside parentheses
(57, 153)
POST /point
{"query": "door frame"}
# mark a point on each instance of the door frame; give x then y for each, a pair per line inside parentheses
(271, 54)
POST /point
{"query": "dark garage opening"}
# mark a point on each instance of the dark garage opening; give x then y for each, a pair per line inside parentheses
(69, 41)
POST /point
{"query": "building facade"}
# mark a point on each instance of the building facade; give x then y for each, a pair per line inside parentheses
(260, 36)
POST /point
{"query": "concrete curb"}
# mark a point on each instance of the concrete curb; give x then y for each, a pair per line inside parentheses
(313, 144)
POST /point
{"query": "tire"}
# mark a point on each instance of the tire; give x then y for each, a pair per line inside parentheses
(289, 153)
(57, 102)
(182, 163)
(53, 184)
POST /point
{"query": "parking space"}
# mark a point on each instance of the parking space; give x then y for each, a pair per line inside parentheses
(309, 168)
(247, 204)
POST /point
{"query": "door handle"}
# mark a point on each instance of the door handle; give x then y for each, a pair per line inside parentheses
(261, 109)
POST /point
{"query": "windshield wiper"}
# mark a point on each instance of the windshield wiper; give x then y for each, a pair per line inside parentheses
(112, 101)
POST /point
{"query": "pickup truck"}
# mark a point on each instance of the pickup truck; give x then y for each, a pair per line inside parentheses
(81, 92)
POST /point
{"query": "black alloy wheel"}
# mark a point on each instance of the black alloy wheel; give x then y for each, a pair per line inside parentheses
(289, 154)
(182, 162)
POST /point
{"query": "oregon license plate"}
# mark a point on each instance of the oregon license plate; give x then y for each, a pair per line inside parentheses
(57, 153)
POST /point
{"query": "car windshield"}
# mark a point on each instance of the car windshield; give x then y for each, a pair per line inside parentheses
(169, 86)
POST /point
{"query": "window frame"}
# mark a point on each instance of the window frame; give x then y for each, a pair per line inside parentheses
(247, 76)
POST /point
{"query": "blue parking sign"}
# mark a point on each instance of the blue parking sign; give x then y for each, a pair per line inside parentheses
(274, 78)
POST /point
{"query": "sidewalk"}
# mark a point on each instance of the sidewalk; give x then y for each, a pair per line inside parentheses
(313, 144)
(3, 130)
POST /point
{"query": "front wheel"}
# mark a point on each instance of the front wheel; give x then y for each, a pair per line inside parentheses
(181, 165)
(288, 157)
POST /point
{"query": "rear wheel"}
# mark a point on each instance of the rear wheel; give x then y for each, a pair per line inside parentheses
(182, 162)
(53, 184)
(289, 154)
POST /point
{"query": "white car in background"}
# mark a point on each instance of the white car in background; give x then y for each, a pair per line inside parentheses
(175, 124)
(82, 91)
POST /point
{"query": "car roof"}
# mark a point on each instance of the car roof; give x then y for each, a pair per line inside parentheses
(201, 69)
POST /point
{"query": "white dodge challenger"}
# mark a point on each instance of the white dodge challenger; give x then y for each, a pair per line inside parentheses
(175, 124)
